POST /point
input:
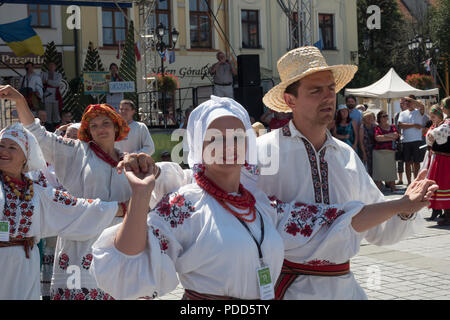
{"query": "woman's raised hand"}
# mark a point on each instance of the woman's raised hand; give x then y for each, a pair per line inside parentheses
(9, 92)
(140, 170)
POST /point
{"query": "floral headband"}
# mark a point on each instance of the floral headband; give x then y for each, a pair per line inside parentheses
(95, 110)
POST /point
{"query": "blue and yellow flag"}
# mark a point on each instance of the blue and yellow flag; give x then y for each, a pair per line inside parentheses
(21, 38)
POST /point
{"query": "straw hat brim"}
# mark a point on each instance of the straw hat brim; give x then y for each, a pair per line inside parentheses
(274, 99)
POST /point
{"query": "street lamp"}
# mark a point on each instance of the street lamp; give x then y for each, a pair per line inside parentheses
(161, 46)
(414, 47)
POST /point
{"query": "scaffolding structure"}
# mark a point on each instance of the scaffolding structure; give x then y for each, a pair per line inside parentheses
(299, 13)
(148, 102)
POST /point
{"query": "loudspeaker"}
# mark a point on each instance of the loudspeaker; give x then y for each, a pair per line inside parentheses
(249, 73)
(251, 99)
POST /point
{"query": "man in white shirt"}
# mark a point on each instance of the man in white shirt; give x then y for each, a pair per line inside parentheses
(223, 72)
(31, 87)
(51, 80)
(139, 139)
(303, 162)
(411, 122)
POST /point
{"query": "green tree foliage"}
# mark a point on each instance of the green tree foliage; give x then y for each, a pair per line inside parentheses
(92, 62)
(127, 69)
(70, 103)
(440, 25)
(381, 49)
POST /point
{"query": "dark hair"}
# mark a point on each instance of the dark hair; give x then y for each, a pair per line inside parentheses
(412, 96)
(113, 64)
(350, 97)
(380, 115)
(27, 63)
(339, 117)
(293, 88)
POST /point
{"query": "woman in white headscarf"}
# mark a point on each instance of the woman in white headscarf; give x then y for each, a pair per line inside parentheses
(30, 210)
(218, 236)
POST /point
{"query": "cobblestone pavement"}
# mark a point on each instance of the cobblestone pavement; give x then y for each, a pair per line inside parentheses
(417, 268)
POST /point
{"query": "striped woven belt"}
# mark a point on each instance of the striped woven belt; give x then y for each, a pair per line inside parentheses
(290, 271)
(441, 153)
(27, 244)
(193, 295)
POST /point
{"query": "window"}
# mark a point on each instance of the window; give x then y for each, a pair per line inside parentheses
(200, 24)
(326, 28)
(40, 15)
(114, 26)
(250, 29)
(162, 15)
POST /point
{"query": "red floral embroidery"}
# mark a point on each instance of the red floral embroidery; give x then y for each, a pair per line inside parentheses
(306, 231)
(80, 294)
(304, 219)
(277, 204)
(317, 262)
(292, 228)
(42, 180)
(174, 208)
(64, 261)
(64, 198)
(19, 213)
(86, 262)
(163, 241)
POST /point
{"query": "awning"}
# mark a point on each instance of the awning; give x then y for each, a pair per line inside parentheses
(102, 3)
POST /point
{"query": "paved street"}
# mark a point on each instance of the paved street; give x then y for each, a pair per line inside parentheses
(417, 268)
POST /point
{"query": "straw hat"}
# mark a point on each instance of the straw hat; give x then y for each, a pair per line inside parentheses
(299, 63)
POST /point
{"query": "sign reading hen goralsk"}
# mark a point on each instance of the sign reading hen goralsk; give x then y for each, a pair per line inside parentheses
(96, 82)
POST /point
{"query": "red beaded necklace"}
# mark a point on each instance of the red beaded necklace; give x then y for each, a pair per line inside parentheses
(102, 154)
(245, 201)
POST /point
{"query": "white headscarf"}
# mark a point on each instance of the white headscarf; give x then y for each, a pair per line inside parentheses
(29, 145)
(75, 126)
(201, 118)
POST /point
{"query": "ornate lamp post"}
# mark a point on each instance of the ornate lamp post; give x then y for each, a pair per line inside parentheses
(161, 46)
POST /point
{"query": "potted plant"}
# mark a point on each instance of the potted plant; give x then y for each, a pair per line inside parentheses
(420, 81)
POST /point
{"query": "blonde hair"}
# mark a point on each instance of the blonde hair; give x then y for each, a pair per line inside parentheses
(367, 114)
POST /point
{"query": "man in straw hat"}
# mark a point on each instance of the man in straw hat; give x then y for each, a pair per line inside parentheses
(319, 168)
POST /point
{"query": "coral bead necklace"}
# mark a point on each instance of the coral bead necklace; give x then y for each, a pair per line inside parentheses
(246, 201)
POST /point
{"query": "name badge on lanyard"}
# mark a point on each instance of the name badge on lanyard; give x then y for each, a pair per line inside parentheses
(4, 231)
(266, 290)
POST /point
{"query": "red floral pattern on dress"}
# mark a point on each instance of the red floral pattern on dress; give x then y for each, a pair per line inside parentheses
(86, 262)
(63, 261)
(277, 204)
(304, 218)
(41, 180)
(18, 212)
(317, 262)
(64, 198)
(163, 241)
(174, 208)
(80, 294)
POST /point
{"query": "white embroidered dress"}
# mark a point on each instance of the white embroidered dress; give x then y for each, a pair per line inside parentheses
(84, 174)
(190, 233)
(333, 175)
(50, 212)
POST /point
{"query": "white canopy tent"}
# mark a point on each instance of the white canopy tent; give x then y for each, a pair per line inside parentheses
(391, 86)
